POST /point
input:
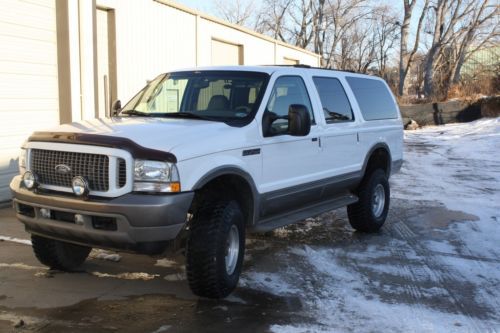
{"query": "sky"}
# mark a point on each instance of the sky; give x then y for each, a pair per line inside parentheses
(208, 6)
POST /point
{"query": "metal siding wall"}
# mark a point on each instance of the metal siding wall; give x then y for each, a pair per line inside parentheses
(28, 78)
(256, 51)
(284, 52)
(151, 38)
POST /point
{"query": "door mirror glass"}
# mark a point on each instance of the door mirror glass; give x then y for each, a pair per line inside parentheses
(299, 120)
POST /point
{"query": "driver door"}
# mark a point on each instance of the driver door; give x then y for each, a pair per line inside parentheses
(291, 164)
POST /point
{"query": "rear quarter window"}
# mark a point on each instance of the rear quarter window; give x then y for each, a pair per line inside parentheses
(336, 106)
(374, 99)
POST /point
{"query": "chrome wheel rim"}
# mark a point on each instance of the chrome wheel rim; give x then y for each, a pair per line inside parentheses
(378, 200)
(232, 249)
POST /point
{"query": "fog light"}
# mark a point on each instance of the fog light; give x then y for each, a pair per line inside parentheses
(80, 186)
(79, 219)
(45, 213)
(29, 180)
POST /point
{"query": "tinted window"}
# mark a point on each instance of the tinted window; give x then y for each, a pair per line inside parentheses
(374, 99)
(336, 106)
(287, 90)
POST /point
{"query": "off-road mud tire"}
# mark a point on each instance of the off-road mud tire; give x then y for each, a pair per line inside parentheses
(206, 248)
(59, 255)
(361, 215)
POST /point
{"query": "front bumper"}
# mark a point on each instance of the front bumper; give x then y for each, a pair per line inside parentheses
(136, 222)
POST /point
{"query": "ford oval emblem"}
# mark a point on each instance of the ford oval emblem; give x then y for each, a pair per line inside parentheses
(63, 169)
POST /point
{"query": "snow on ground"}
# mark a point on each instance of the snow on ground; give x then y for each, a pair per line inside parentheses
(15, 240)
(444, 279)
(457, 164)
(105, 255)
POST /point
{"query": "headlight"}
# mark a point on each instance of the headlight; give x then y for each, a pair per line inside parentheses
(156, 176)
(30, 180)
(22, 161)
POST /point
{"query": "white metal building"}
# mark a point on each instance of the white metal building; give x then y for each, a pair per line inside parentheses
(67, 60)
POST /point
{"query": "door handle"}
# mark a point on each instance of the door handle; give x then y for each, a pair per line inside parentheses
(318, 140)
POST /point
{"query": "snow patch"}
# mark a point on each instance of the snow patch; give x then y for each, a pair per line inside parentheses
(22, 266)
(15, 240)
(163, 328)
(272, 282)
(166, 263)
(127, 276)
(105, 255)
(175, 277)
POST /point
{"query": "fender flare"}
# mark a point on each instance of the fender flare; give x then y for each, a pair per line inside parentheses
(370, 153)
(233, 171)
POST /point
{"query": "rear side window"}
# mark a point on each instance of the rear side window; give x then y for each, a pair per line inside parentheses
(336, 106)
(374, 99)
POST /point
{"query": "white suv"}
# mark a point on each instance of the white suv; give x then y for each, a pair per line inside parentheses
(200, 156)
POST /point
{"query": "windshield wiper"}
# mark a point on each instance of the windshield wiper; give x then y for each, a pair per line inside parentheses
(186, 115)
(166, 114)
(137, 113)
(336, 115)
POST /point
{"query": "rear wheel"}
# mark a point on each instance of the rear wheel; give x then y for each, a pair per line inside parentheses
(370, 212)
(215, 249)
(59, 255)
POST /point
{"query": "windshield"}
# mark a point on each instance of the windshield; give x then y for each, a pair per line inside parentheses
(210, 95)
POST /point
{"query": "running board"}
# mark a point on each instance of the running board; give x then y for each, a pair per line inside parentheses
(303, 213)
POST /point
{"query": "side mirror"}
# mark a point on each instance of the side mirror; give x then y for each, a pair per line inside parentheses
(116, 107)
(299, 120)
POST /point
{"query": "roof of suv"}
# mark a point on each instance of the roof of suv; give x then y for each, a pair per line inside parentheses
(269, 69)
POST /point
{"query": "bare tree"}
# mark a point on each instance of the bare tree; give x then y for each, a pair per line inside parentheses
(361, 35)
(273, 18)
(239, 12)
(385, 34)
(302, 16)
(341, 16)
(464, 47)
(406, 57)
(455, 24)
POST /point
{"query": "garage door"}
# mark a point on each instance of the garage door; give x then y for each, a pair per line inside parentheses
(290, 61)
(226, 54)
(28, 78)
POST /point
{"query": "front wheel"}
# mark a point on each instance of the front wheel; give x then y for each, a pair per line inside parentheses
(59, 255)
(370, 212)
(215, 249)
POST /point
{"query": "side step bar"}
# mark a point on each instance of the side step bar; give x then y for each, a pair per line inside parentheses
(302, 213)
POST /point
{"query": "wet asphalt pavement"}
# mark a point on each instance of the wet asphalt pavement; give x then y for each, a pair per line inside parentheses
(430, 268)
(141, 294)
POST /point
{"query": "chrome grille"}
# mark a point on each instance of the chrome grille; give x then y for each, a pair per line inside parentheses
(94, 167)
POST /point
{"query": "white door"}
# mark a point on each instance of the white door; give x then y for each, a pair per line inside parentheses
(290, 163)
(342, 153)
(28, 78)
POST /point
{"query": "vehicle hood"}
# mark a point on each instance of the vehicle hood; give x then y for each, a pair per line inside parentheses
(156, 133)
